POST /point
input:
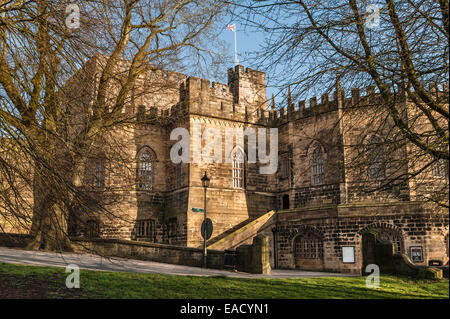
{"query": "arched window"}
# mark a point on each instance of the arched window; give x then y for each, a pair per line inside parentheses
(317, 166)
(238, 168)
(375, 158)
(145, 169)
(308, 246)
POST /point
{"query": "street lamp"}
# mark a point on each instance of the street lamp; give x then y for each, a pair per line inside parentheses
(205, 184)
(205, 181)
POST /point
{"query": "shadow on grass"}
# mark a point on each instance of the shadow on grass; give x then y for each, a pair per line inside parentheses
(49, 282)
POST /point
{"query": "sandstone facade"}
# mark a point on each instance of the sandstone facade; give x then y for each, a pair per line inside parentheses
(320, 190)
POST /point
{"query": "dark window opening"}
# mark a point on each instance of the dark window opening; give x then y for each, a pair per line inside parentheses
(285, 200)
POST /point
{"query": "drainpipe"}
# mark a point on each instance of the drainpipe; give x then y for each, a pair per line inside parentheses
(274, 231)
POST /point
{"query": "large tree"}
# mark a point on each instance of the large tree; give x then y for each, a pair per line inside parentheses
(400, 47)
(40, 50)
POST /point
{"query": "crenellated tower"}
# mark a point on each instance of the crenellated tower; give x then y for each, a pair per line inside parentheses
(249, 89)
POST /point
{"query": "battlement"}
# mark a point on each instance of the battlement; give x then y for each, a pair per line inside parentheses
(303, 108)
(248, 86)
(202, 97)
(202, 87)
(256, 76)
(244, 98)
(318, 106)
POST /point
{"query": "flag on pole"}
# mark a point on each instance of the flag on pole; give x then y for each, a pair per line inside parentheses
(231, 27)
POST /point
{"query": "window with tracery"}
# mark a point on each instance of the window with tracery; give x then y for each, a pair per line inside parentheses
(238, 169)
(145, 169)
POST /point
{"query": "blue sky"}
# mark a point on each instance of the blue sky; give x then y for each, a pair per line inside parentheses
(247, 42)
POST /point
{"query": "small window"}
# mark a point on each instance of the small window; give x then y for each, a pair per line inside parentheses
(285, 200)
(317, 166)
(285, 167)
(145, 228)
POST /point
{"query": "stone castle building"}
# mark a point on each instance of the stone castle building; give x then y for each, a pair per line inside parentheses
(316, 209)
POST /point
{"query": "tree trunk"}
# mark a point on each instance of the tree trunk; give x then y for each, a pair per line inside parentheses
(50, 227)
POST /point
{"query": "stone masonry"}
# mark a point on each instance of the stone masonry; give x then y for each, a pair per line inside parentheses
(319, 192)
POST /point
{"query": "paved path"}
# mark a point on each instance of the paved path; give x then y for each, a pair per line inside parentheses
(94, 262)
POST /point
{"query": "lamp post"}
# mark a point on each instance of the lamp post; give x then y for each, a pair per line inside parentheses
(205, 184)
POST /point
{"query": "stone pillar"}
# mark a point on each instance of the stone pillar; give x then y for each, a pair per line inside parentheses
(254, 258)
(260, 255)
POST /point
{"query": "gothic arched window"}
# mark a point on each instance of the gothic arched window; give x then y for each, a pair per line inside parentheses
(375, 158)
(145, 169)
(317, 166)
(238, 168)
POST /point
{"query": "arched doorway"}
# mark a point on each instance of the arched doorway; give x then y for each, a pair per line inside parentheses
(308, 251)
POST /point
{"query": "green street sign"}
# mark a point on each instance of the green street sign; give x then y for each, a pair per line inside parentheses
(197, 210)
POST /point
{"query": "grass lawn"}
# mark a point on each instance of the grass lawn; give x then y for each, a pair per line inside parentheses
(18, 281)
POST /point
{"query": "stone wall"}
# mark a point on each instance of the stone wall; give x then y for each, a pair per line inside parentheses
(343, 225)
(151, 251)
(14, 240)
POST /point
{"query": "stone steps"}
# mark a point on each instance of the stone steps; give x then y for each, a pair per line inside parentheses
(240, 233)
(229, 231)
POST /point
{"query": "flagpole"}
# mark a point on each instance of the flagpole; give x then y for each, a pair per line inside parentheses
(236, 62)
